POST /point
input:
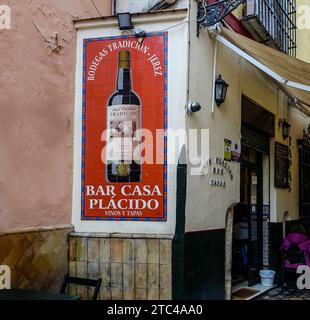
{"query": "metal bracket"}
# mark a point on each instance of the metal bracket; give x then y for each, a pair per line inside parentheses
(210, 14)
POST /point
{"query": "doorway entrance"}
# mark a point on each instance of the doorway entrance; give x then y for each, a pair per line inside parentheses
(251, 216)
(248, 223)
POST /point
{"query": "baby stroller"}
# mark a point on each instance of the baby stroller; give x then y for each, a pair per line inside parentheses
(295, 251)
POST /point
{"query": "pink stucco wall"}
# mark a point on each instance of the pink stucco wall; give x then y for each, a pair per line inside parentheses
(36, 110)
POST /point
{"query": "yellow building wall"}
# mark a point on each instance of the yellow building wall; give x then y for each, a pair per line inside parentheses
(225, 122)
(238, 12)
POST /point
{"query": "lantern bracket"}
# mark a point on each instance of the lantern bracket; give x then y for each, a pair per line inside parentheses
(210, 14)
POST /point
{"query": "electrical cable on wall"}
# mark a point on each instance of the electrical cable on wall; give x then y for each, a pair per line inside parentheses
(92, 1)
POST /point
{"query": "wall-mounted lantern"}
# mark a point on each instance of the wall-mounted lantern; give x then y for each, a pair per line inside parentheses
(286, 128)
(220, 90)
(124, 21)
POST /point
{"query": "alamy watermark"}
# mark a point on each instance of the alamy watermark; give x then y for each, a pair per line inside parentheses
(5, 277)
(303, 282)
(144, 146)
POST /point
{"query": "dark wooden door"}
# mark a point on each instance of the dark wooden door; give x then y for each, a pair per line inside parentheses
(252, 195)
(255, 226)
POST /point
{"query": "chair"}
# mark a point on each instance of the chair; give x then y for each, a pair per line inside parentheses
(82, 282)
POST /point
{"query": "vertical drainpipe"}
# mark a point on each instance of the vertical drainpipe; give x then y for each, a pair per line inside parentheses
(113, 2)
(216, 46)
(178, 245)
(188, 53)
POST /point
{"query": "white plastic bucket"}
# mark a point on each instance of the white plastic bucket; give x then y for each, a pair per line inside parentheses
(267, 277)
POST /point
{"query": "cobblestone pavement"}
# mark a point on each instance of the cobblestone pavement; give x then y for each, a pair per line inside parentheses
(286, 294)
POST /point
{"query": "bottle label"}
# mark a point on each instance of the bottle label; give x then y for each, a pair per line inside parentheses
(123, 121)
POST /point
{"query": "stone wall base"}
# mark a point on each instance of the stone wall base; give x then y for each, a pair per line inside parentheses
(132, 267)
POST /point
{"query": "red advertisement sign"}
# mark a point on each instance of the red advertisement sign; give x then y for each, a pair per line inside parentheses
(124, 150)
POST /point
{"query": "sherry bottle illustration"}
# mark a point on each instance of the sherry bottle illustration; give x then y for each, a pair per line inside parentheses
(123, 120)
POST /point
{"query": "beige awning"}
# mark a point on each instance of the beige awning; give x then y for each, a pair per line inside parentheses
(292, 75)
